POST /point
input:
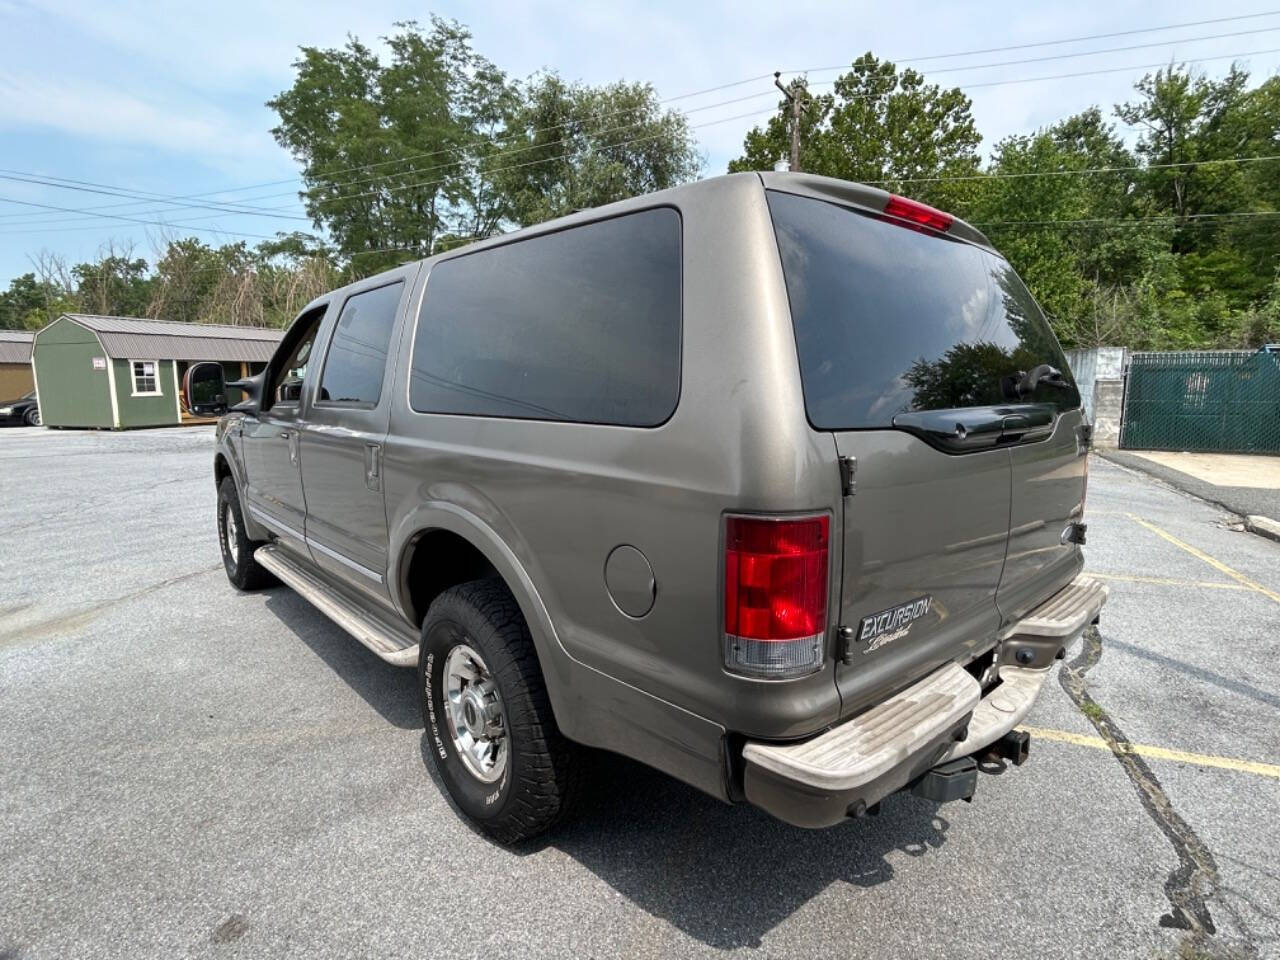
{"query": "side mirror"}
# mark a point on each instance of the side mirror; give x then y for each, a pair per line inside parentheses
(205, 390)
(250, 392)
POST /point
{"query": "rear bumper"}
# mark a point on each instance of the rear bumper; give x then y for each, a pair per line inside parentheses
(840, 773)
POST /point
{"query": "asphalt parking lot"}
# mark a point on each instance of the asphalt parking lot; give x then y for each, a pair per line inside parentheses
(189, 771)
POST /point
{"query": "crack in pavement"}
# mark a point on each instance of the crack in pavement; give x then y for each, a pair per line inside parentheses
(79, 618)
(1194, 882)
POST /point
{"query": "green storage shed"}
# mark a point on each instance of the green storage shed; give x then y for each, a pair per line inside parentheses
(123, 372)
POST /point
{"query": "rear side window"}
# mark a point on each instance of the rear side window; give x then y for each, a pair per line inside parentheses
(581, 325)
(357, 358)
(891, 319)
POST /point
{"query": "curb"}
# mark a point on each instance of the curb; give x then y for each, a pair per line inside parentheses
(1254, 523)
(1263, 527)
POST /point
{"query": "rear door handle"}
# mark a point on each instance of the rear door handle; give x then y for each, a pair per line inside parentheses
(373, 466)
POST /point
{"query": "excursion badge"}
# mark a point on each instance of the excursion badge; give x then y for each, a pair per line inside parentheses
(889, 625)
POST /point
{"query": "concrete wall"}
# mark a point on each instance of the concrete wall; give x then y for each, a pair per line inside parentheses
(15, 380)
(73, 393)
(1099, 374)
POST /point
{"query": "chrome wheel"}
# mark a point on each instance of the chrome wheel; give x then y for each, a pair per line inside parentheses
(474, 711)
(230, 534)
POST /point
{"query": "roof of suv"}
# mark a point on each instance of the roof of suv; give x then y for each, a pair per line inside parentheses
(873, 199)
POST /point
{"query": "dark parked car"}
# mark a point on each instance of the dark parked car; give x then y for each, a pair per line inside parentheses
(23, 412)
(773, 482)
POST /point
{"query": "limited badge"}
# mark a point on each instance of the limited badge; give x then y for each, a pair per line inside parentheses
(892, 624)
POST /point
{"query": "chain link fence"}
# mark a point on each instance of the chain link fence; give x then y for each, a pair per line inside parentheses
(1213, 401)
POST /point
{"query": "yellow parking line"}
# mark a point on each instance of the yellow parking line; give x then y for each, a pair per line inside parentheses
(1168, 581)
(1216, 564)
(1159, 753)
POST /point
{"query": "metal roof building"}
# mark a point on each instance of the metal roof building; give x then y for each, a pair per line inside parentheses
(122, 372)
(15, 363)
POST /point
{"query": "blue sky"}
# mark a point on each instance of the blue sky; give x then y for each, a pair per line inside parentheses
(168, 98)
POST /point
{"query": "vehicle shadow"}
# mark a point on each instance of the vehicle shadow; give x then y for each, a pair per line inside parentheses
(727, 875)
(390, 690)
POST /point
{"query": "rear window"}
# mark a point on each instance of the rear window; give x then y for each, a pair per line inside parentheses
(891, 319)
(581, 325)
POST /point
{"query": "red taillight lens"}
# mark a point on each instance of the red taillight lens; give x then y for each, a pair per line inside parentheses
(917, 212)
(775, 594)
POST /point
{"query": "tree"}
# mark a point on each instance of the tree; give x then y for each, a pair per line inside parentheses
(31, 303)
(878, 126)
(116, 284)
(389, 151)
(436, 147)
(569, 146)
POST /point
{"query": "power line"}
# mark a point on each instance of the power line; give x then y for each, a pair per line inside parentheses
(156, 223)
(1066, 173)
(769, 93)
(1051, 43)
(1192, 218)
(412, 186)
(94, 212)
(89, 211)
(87, 186)
(737, 83)
(766, 76)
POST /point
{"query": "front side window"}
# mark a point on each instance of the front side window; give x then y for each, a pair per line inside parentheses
(286, 379)
(357, 358)
(580, 325)
(891, 319)
(145, 379)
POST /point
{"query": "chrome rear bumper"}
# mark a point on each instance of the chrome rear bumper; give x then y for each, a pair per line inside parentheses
(840, 773)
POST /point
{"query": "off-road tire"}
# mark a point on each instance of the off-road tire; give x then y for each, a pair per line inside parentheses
(542, 774)
(244, 572)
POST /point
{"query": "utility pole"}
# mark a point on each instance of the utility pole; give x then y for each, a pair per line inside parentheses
(797, 107)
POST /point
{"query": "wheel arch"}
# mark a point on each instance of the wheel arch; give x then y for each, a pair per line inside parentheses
(480, 552)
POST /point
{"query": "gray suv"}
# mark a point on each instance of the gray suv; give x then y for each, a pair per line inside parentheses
(771, 481)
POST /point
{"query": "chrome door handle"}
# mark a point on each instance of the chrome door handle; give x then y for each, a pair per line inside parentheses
(285, 434)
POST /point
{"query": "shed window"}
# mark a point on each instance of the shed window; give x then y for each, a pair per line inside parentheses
(145, 382)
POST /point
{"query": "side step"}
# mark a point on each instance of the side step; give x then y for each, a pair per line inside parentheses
(1000, 710)
(394, 644)
(1067, 612)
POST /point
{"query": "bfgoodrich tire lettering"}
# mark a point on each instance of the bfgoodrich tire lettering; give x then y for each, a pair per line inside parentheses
(237, 549)
(539, 777)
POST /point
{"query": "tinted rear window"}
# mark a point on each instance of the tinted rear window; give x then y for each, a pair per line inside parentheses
(890, 319)
(580, 325)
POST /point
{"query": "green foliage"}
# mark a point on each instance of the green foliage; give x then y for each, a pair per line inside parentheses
(878, 125)
(30, 303)
(459, 152)
(569, 147)
(1113, 240)
(191, 282)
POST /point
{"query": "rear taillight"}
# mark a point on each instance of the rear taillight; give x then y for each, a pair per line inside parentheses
(917, 212)
(775, 595)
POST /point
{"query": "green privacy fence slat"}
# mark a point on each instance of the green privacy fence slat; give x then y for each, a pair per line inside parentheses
(1221, 402)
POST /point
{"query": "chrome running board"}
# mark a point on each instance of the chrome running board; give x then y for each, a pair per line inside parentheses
(396, 644)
